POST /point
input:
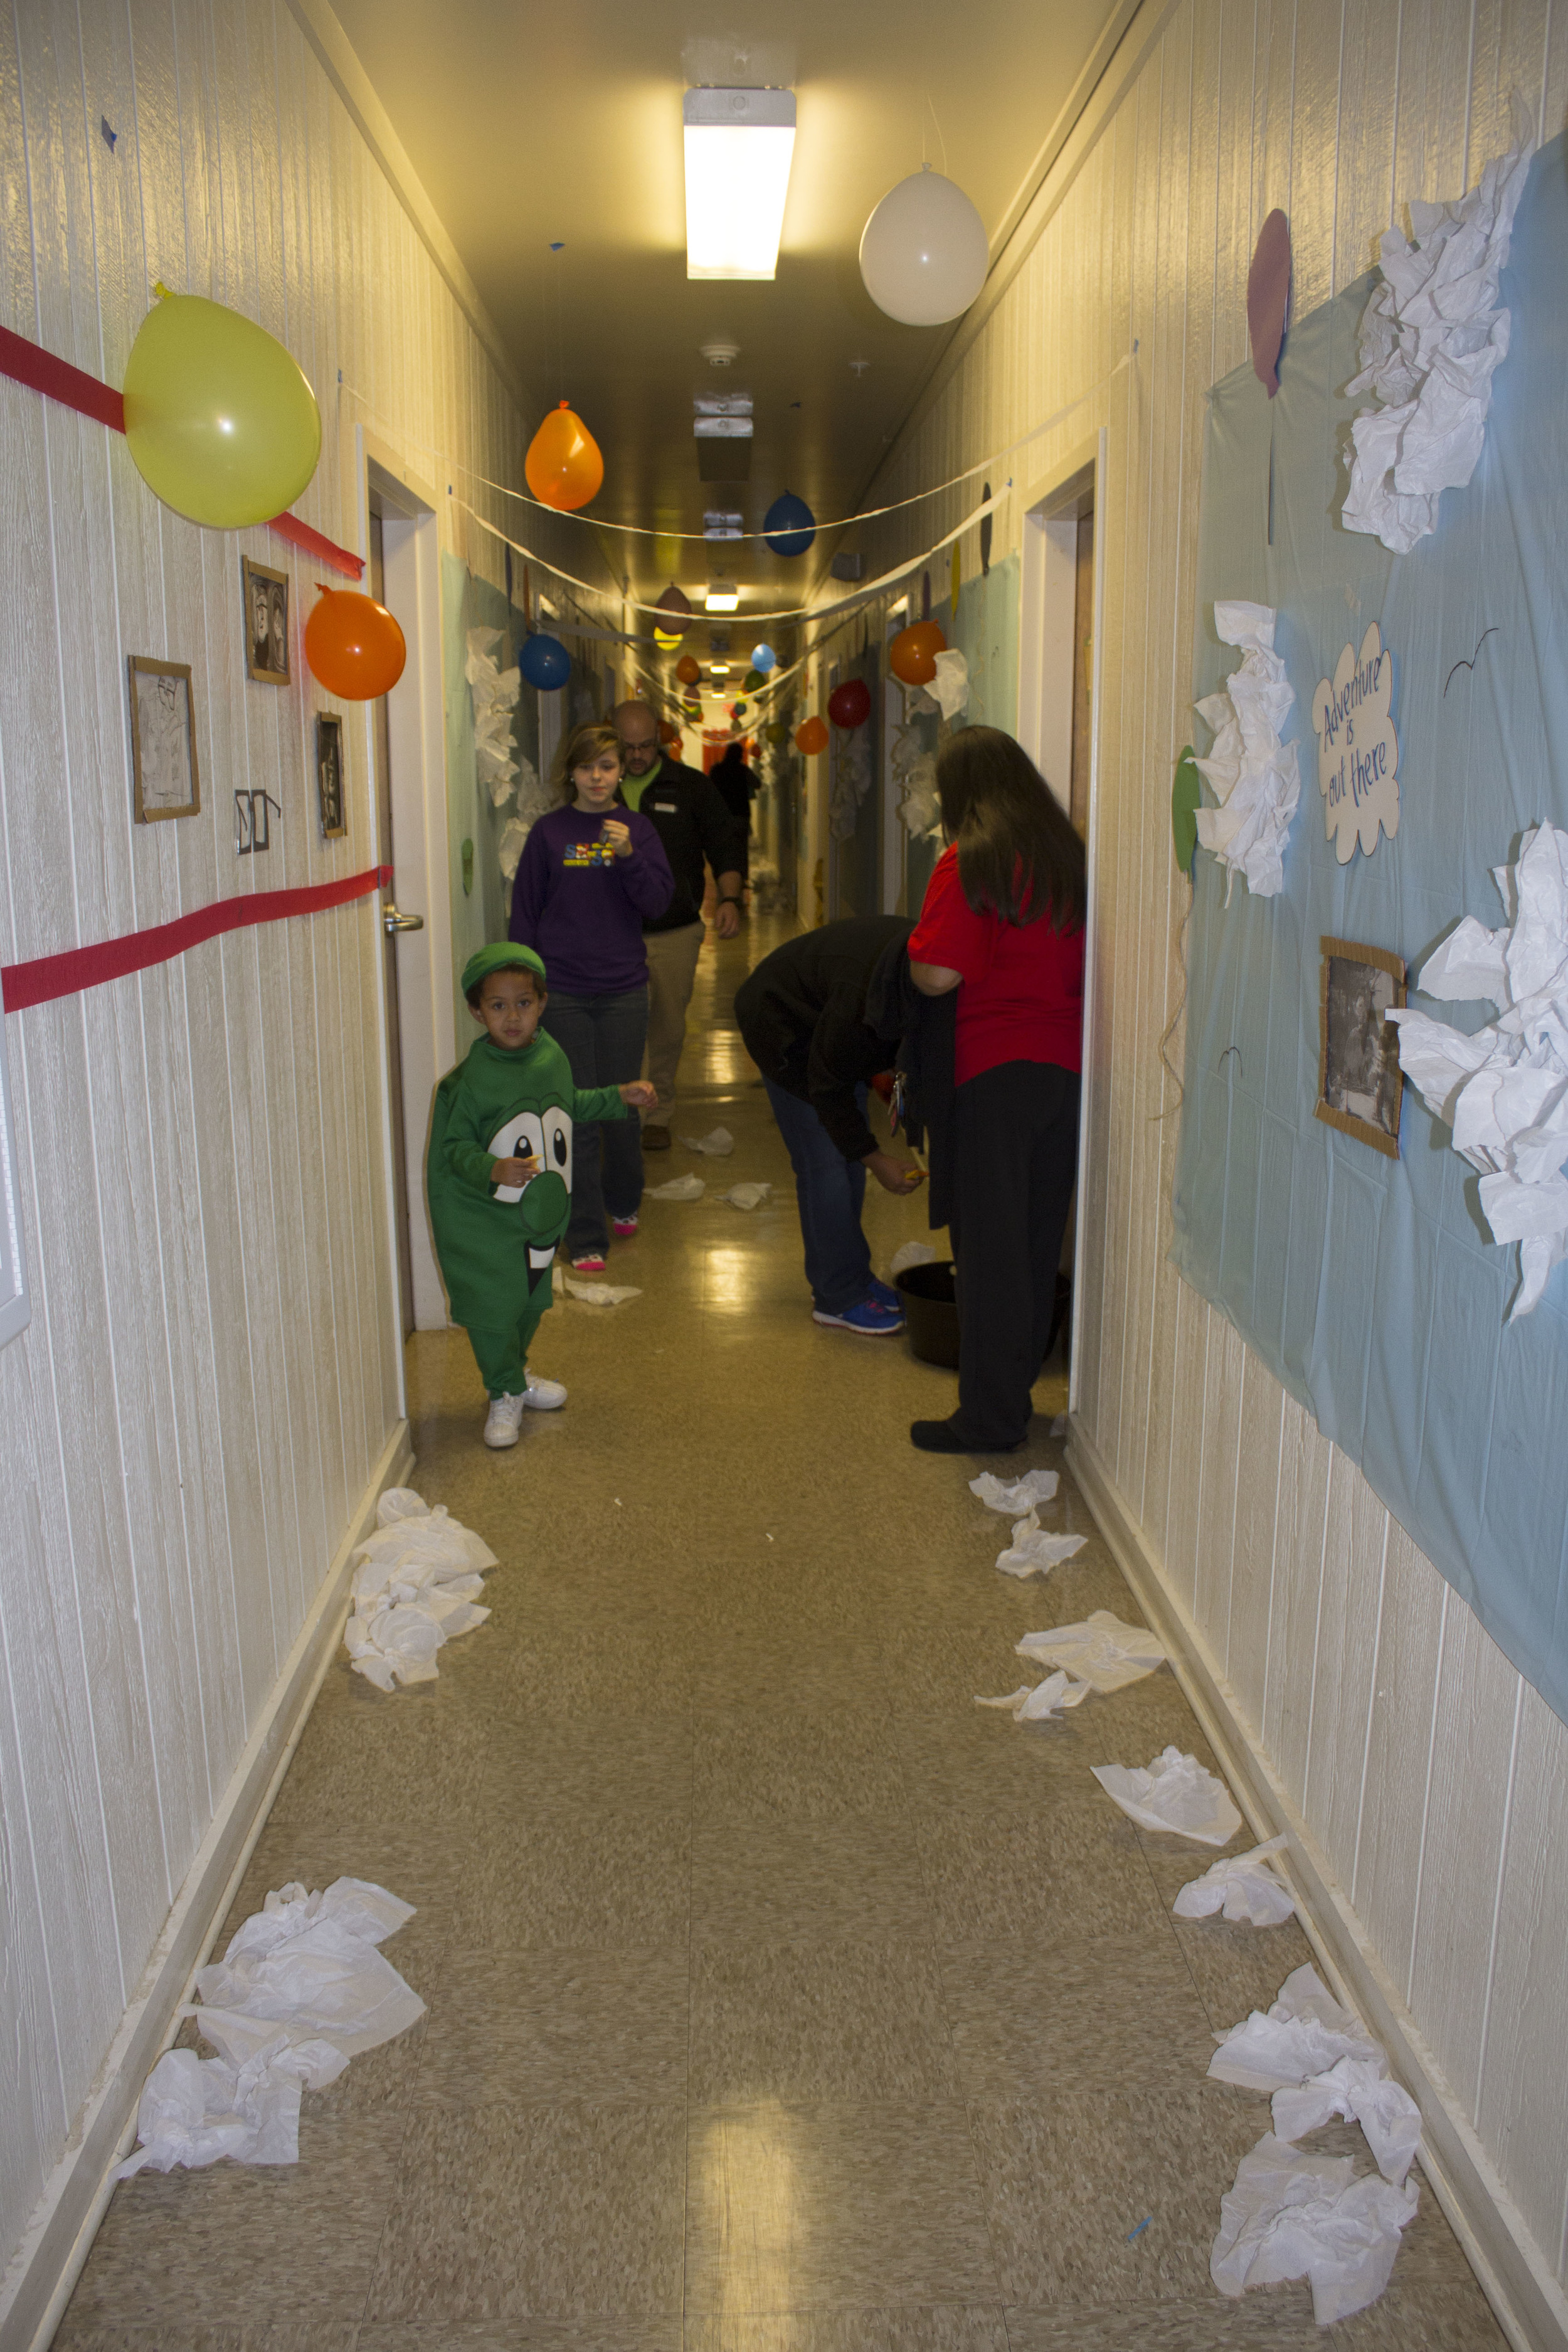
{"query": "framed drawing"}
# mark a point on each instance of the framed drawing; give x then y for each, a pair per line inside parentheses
(1359, 1079)
(330, 774)
(163, 739)
(266, 623)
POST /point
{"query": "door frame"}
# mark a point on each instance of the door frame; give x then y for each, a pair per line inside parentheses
(1046, 625)
(415, 727)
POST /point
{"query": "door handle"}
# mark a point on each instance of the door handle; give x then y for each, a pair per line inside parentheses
(392, 921)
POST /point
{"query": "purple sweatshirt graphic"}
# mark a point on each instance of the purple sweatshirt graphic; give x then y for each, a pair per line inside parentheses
(582, 909)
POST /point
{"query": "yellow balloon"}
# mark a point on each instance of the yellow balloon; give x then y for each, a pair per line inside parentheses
(221, 423)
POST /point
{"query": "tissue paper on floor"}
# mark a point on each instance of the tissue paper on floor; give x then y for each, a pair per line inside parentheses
(1253, 776)
(1503, 1089)
(1042, 1703)
(679, 1188)
(416, 1583)
(746, 1196)
(1431, 336)
(1362, 2092)
(194, 2111)
(910, 1253)
(1033, 1552)
(1292, 2216)
(1102, 1651)
(599, 1294)
(1243, 1886)
(1173, 1794)
(1304, 2032)
(1020, 1495)
(718, 1145)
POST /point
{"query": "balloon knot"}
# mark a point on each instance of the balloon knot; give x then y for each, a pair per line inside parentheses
(162, 291)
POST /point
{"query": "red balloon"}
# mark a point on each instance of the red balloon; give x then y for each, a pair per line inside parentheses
(811, 736)
(912, 654)
(354, 645)
(850, 705)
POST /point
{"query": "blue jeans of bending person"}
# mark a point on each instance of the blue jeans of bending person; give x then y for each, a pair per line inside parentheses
(829, 1191)
(602, 1038)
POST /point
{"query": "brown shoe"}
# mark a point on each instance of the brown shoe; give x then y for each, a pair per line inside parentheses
(655, 1139)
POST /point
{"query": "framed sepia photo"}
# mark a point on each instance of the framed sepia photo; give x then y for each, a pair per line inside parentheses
(266, 623)
(330, 775)
(1360, 1083)
(163, 739)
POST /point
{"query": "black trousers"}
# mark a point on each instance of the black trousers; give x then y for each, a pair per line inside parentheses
(1014, 1161)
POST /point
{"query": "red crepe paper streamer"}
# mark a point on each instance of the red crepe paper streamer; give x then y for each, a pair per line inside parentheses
(47, 977)
(41, 371)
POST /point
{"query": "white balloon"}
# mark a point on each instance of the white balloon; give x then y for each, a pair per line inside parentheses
(923, 254)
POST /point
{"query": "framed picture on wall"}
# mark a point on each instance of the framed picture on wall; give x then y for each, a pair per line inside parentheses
(163, 739)
(266, 623)
(1359, 1079)
(330, 775)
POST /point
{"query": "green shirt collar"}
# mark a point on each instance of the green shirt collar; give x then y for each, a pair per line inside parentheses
(634, 787)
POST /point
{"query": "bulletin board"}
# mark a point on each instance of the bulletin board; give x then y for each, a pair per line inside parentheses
(1371, 1285)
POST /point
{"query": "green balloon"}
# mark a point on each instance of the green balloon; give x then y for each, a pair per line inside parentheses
(1186, 799)
(220, 422)
(752, 680)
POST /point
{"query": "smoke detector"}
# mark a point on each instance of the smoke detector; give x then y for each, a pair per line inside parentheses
(720, 353)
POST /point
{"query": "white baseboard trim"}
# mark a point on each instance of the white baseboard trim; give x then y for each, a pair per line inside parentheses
(1530, 2306)
(46, 2266)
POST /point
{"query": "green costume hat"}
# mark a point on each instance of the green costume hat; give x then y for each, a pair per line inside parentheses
(505, 955)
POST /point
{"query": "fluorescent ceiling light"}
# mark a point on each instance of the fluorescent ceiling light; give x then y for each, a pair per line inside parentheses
(723, 596)
(718, 670)
(739, 143)
(721, 524)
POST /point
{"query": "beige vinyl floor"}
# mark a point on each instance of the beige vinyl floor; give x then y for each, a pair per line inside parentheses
(780, 1998)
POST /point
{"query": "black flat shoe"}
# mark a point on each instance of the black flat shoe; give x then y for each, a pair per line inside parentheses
(942, 1437)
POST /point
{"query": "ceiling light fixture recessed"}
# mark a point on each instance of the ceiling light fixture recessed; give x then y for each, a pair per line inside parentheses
(739, 143)
(726, 525)
(723, 596)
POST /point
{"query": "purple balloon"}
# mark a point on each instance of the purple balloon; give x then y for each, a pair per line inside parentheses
(1269, 299)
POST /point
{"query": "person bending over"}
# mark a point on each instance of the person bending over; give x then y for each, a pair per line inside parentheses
(1002, 925)
(802, 1015)
(591, 872)
(500, 1177)
(690, 818)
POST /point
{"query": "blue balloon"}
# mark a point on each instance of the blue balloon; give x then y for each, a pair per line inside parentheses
(789, 525)
(763, 659)
(544, 661)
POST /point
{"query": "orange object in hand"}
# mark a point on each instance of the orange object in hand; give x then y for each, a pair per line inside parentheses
(354, 645)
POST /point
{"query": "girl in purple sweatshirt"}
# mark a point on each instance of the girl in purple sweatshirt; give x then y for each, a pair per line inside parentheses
(590, 872)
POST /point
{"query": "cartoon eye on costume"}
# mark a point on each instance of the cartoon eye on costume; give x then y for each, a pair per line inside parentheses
(521, 1138)
(558, 1143)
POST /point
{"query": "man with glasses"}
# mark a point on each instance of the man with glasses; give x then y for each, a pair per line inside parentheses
(689, 816)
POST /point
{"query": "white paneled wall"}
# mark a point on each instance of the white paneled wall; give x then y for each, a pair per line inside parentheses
(210, 1377)
(1431, 1777)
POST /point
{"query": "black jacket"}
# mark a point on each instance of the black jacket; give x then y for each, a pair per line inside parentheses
(925, 1028)
(689, 816)
(801, 1013)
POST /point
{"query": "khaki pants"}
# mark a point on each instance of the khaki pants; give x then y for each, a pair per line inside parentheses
(671, 976)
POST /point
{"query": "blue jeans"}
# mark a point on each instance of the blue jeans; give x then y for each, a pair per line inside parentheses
(829, 1191)
(602, 1038)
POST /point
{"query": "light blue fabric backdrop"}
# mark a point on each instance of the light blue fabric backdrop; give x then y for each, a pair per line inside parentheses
(1371, 1287)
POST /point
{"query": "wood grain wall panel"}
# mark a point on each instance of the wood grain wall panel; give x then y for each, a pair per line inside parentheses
(1364, 163)
(1258, 1439)
(1388, 1861)
(1345, 1659)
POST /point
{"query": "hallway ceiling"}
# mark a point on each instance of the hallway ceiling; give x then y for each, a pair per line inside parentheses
(529, 124)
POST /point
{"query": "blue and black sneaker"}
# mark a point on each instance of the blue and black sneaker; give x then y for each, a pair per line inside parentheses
(869, 1320)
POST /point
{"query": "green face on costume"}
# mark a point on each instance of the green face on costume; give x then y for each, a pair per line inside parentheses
(545, 1201)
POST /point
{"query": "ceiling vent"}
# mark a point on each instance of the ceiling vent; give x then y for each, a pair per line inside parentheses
(721, 352)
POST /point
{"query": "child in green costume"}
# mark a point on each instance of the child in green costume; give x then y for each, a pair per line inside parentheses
(500, 1176)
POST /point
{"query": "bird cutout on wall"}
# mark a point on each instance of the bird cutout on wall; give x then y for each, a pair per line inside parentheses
(1469, 664)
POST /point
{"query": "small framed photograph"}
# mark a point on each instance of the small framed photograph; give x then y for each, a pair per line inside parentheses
(1360, 1083)
(330, 775)
(266, 623)
(163, 739)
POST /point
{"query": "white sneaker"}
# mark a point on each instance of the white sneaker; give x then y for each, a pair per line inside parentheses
(543, 1396)
(501, 1423)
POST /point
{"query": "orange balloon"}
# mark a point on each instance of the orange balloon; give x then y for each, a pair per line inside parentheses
(667, 733)
(563, 467)
(354, 645)
(688, 669)
(811, 736)
(912, 654)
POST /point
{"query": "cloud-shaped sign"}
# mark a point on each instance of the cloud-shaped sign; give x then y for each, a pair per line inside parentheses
(1358, 750)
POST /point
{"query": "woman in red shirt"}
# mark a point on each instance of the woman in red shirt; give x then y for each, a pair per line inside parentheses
(1003, 924)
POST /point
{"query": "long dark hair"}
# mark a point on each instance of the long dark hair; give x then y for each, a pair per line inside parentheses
(1017, 855)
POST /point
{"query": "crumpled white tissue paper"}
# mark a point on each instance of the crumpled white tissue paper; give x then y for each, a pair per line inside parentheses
(914, 775)
(1101, 1651)
(1045, 1701)
(1504, 1090)
(715, 1145)
(746, 1196)
(1361, 2091)
(416, 1583)
(910, 1253)
(1431, 337)
(1173, 1794)
(679, 1188)
(1254, 775)
(1293, 2216)
(599, 1294)
(1022, 1494)
(194, 2111)
(1033, 1552)
(495, 691)
(1244, 1888)
(949, 689)
(1304, 2032)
